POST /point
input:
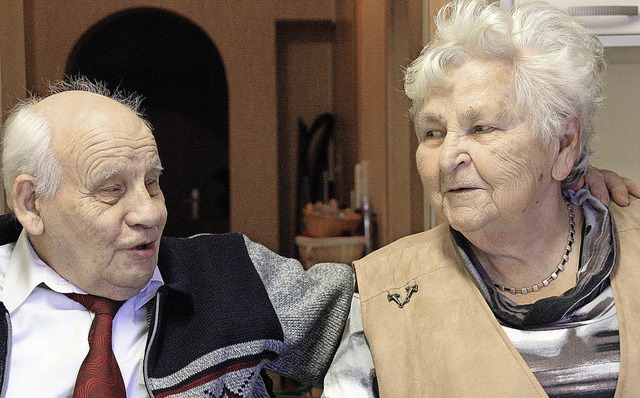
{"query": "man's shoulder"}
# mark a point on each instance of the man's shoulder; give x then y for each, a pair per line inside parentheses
(203, 246)
(202, 251)
(202, 239)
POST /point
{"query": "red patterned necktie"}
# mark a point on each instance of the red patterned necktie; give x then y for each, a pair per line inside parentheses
(99, 375)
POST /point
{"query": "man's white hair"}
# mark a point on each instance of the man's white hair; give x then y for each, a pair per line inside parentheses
(26, 143)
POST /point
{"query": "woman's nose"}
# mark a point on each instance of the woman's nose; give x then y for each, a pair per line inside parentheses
(453, 152)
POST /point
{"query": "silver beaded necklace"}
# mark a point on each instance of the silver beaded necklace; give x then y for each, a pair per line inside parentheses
(554, 275)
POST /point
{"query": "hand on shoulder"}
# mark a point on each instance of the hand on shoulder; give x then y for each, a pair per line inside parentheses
(606, 185)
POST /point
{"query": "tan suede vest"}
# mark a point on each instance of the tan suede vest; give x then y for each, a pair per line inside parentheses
(445, 341)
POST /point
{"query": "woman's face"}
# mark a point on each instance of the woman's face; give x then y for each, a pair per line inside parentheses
(478, 159)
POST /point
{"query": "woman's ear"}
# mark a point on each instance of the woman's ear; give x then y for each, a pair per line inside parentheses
(569, 148)
(25, 204)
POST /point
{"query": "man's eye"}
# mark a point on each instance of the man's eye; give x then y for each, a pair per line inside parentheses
(110, 194)
(153, 186)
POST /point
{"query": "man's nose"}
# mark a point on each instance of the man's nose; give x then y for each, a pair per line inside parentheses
(146, 210)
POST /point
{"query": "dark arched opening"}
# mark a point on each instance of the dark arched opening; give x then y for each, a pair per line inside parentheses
(179, 71)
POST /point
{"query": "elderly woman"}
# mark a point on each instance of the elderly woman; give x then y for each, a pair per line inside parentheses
(526, 290)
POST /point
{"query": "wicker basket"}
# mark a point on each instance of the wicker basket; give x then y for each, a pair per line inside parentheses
(320, 225)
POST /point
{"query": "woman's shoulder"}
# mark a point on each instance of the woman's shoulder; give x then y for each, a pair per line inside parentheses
(421, 239)
(406, 260)
(419, 252)
(628, 217)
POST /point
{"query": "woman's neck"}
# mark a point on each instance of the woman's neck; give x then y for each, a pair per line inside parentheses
(526, 251)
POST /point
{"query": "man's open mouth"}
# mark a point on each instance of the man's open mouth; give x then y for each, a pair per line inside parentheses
(144, 246)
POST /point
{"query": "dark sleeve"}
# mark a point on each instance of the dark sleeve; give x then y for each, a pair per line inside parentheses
(10, 229)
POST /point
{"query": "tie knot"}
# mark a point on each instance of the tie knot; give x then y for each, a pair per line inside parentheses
(95, 304)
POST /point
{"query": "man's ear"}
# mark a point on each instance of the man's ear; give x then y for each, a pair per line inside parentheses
(25, 204)
(569, 148)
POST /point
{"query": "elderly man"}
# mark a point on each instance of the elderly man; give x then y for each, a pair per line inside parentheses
(84, 262)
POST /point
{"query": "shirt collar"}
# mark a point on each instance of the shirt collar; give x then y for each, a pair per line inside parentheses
(26, 271)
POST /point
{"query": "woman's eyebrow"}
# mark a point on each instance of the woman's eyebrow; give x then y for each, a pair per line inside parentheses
(429, 117)
(473, 114)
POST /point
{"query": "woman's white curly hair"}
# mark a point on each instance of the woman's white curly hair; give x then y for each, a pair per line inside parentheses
(557, 65)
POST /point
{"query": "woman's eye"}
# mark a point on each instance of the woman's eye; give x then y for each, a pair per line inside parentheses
(482, 129)
(430, 134)
(111, 190)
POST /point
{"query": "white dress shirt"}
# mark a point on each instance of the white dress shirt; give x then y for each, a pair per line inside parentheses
(49, 330)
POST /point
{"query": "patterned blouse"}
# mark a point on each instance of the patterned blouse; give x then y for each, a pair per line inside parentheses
(570, 342)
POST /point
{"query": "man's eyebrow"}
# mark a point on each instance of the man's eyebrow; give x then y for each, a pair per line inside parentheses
(104, 175)
(157, 167)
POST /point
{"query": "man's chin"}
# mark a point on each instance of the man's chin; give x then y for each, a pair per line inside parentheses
(133, 280)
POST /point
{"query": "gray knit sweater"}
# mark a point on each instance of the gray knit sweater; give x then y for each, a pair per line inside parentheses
(229, 309)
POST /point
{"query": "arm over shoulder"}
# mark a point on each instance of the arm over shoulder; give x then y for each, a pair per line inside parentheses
(312, 307)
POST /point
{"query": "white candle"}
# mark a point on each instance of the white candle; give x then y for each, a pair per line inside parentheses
(358, 187)
(364, 183)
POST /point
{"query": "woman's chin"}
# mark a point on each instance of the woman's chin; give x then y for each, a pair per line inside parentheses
(464, 219)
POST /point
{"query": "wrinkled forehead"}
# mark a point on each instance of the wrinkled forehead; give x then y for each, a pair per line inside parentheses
(91, 132)
(105, 151)
(80, 119)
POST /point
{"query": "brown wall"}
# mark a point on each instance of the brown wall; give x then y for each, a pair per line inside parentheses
(12, 60)
(244, 32)
(362, 72)
(305, 62)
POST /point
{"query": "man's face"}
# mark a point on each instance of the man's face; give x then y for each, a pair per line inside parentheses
(102, 228)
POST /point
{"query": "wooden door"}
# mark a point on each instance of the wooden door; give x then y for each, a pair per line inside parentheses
(180, 73)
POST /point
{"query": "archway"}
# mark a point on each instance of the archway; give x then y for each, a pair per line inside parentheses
(179, 71)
